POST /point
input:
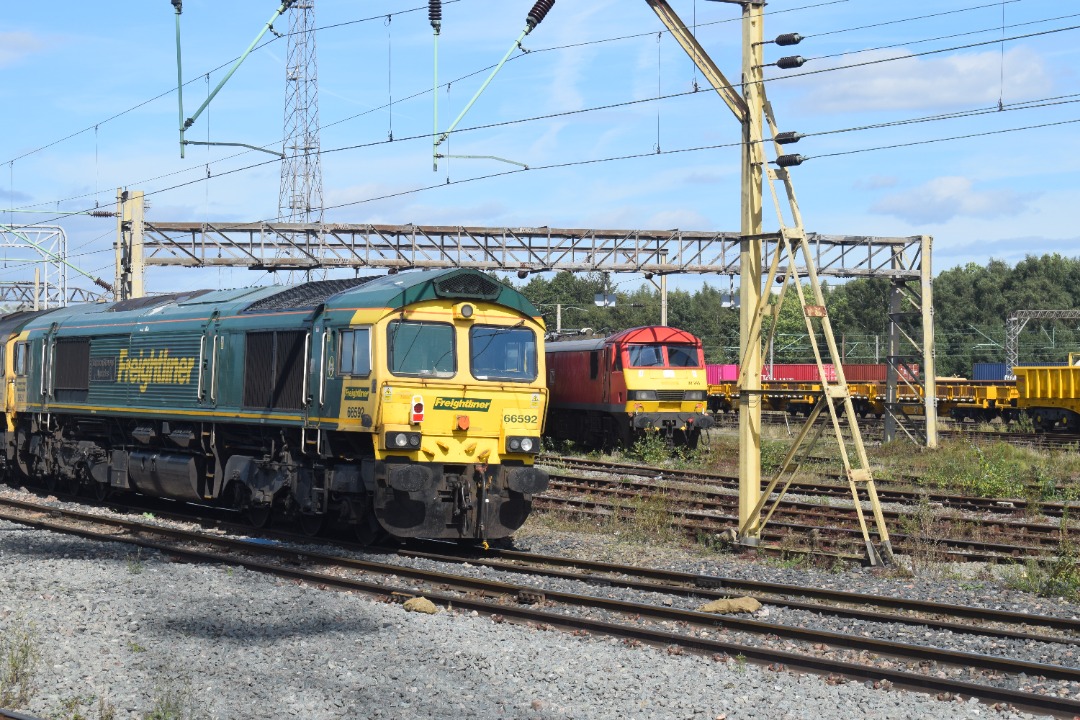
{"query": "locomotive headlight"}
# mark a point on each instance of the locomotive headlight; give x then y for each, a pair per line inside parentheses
(641, 395)
(694, 395)
(402, 440)
(529, 445)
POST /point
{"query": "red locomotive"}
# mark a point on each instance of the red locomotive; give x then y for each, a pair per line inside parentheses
(612, 391)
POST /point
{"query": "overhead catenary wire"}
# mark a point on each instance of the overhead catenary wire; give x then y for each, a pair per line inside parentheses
(574, 45)
(223, 65)
(1031, 104)
(552, 115)
(373, 18)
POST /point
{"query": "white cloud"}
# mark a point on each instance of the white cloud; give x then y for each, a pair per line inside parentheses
(931, 82)
(945, 198)
(14, 46)
(875, 182)
(678, 220)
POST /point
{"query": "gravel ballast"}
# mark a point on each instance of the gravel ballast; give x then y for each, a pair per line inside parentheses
(132, 628)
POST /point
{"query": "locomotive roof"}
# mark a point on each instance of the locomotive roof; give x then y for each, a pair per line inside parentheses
(396, 291)
(642, 335)
(387, 291)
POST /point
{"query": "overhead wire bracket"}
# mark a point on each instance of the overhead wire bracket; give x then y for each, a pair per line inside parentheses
(187, 123)
(535, 17)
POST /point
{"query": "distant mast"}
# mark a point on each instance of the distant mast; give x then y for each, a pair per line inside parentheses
(300, 199)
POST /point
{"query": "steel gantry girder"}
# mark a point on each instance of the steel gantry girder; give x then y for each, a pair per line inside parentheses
(273, 246)
(27, 295)
(1015, 323)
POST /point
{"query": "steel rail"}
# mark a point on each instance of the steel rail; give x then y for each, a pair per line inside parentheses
(694, 523)
(1047, 537)
(622, 578)
(765, 655)
(959, 502)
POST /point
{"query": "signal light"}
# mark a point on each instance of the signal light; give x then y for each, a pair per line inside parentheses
(417, 415)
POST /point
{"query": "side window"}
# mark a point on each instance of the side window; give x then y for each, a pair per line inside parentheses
(22, 354)
(594, 364)
(618, 358)
(354, 357)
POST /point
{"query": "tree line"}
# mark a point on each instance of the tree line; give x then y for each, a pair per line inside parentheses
(971, 304)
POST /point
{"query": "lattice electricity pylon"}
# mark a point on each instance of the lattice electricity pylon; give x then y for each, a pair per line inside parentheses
(300, 199)
(25, 247)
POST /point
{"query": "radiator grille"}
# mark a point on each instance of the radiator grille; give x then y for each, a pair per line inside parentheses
(468, 285)
(72, 364)
(669, 395)
(274, 370)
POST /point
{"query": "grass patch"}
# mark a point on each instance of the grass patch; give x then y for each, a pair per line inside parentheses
(176, 703)
(985, 469)
(81, 708)
(1055, 577)
(19, 660)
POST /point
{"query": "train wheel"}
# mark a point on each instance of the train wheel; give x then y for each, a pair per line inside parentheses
(102, 491)
(259, 515)
(312, 525)
(367, 531)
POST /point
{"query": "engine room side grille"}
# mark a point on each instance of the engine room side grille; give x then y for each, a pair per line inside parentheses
(258, 369)
(307, 295)
(467, 285)
(274, 370)
(669, 395)
(289, 371)
(72, 364)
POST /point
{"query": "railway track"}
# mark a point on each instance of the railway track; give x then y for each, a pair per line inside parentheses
(662, 609)
(887, 490)
(800, 525)
(951, 430)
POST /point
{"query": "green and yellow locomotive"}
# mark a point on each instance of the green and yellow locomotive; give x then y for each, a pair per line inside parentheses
(411, 404)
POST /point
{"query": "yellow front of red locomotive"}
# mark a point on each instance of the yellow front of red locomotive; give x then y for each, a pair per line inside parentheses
(660, 379)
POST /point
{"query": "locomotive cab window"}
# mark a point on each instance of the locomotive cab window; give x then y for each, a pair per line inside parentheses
(354, 357)
(502, 353)
(421, 348)
(645, 356)
(683, 356)
(22, 355)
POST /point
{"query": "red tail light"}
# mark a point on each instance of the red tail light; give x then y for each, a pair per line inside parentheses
(417, 409)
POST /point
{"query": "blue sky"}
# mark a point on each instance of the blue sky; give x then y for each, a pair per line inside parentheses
(66, 67)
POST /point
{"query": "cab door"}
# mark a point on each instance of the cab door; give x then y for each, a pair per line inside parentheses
(211, 350)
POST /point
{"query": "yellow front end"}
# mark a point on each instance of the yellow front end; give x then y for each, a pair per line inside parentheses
(673, 401)
(455, 406)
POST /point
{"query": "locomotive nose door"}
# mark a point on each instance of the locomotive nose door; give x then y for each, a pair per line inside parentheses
(210, 352)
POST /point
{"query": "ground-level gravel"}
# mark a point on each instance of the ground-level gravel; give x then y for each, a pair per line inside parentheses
(133, 629)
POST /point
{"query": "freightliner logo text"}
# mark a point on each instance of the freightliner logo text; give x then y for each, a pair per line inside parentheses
(461, 404)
